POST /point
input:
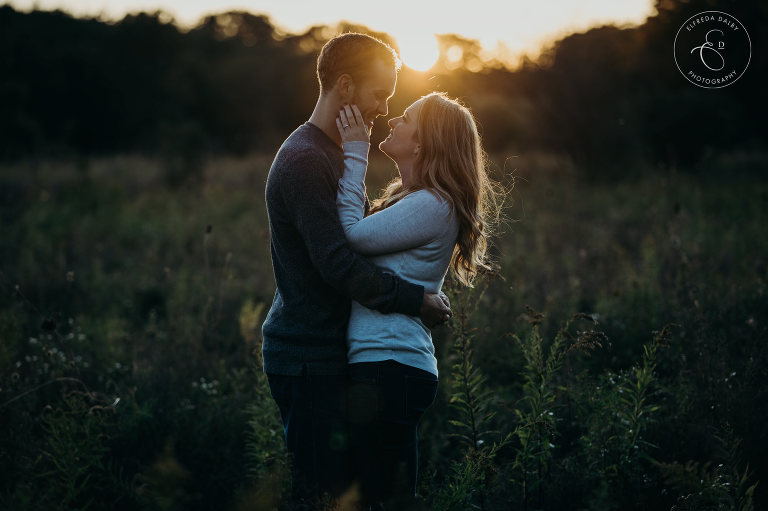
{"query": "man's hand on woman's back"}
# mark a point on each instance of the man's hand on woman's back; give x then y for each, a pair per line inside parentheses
(435, 310)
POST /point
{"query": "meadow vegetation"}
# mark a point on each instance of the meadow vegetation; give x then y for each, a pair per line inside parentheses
(616, 360)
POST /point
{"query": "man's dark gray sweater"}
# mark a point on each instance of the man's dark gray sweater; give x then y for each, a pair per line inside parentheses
(316, 272)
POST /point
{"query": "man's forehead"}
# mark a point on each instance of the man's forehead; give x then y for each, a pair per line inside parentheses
(383, 78)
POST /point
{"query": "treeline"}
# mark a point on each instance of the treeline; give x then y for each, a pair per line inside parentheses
(611, 99)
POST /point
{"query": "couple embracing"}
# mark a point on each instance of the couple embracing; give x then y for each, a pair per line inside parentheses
(346, 344)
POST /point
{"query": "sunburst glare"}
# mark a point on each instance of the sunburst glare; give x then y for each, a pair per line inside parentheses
(418, 51)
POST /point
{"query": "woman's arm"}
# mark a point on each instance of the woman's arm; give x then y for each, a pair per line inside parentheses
(350, 199)
(413, 221)
(355, 137)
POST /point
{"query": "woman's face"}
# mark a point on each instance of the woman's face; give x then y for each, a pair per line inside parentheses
(402, 144)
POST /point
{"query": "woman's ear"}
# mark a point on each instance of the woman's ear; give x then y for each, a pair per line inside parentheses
(346, 87)
(417, 149)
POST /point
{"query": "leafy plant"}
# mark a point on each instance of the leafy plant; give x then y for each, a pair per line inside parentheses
(536, 430)
(472, 400)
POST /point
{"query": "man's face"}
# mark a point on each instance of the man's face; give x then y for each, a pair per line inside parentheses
(372, 93)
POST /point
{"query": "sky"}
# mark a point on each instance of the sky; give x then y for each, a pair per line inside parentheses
(508, 27)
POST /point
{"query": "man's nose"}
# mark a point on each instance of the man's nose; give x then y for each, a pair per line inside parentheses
(383, 108)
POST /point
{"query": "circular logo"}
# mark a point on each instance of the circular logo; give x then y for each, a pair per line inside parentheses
(712, 49)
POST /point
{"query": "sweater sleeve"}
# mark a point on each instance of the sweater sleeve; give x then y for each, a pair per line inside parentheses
(415, 220)
(310, 192)
(351, 197)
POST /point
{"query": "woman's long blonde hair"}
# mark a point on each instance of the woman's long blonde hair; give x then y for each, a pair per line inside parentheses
(451, 162)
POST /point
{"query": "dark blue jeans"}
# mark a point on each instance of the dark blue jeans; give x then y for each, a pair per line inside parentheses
(313, 409)
(386, 401)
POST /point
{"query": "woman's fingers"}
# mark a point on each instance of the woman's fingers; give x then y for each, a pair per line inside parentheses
(358, 115)
(351, 125)
(344, 119)
(350, 116)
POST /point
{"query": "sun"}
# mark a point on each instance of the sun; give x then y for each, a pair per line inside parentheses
(418, 51)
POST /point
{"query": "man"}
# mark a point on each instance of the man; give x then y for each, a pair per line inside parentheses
(317, 274)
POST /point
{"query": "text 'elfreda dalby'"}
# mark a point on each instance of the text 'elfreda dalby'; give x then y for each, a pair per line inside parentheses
(721, 19)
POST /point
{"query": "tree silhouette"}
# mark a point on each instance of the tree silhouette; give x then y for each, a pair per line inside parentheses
(610, 98)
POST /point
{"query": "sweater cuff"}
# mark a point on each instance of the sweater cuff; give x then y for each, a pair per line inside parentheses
(357, 148)
(409, 299)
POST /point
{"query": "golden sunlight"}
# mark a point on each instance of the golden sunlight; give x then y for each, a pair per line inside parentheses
(418, 51)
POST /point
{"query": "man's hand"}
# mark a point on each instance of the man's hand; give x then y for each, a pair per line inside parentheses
(435, 310)
(351, 125)
(444, 298)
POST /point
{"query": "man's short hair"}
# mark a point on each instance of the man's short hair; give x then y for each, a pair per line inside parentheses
(354, 54)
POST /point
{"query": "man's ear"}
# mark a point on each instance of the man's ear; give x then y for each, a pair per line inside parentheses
(346, 87)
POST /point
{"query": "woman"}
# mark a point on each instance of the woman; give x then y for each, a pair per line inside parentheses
(432, 217)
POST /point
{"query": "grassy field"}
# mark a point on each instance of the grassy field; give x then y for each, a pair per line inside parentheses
(617, 360)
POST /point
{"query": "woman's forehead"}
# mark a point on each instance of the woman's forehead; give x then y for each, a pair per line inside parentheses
(414, 107)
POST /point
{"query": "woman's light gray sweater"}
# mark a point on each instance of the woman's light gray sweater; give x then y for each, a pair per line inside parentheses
(413, 239)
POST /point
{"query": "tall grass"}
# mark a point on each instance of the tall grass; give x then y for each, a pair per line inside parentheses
(129, 346)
